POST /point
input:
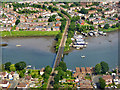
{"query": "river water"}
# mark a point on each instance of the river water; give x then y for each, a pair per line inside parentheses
(102, 48)
(38, 51)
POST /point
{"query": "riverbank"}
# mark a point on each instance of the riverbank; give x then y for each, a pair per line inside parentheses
(110, 29)
(28, 33)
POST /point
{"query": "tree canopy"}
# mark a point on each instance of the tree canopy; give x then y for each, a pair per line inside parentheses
(98, 68)
(106, 26)
(7, 66)
(20, 65)
(102, 83)
(63, 65)
(84, 11)
(17, 22)
(104, 67)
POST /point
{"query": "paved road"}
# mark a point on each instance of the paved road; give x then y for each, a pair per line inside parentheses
(59, 53)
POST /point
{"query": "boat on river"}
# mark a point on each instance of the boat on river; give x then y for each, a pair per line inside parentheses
(18, 45)
(82, 56)
(3, 44)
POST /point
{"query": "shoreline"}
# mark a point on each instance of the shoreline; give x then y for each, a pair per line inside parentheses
(28, 33)
(71, 49)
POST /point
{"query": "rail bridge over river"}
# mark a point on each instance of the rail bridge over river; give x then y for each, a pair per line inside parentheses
(59, 53)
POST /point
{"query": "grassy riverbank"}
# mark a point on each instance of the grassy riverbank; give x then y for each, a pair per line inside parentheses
(28, 33)
(109, 29)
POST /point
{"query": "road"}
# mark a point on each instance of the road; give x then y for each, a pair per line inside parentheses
(59, 53)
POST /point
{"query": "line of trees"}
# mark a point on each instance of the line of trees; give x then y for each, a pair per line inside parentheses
(61, 73)
(19, 67)
(52, 8)
(59, 35)
(113, 26)
(46, 75)
(27, 11)
(64, 12)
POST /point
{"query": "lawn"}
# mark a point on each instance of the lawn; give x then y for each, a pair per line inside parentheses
(28, 33)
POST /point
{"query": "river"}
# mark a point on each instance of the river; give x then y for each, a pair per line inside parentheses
(102, 48)
(38, 51)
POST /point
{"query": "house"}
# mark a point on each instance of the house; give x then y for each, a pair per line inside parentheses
(116, 80)
(108, 79)
(42, 71)
(77, 69)
(4, 84)
(86, 16)
(101, 25)
(56, 28)
(10, 77)
(99, 18)
(95, 22)
(91, 18)
(92, 11)
(85, 84)
(105, 16)
(109, 12)
(88, 70)
(58, 23)
(101, 21)
(15, 76)
(81, 22)
(22, 85)
(58, 18)
(28, 77)
(83, 70)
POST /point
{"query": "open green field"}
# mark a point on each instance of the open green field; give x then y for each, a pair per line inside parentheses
(28, 33)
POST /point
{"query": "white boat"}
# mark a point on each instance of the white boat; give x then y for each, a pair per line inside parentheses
(18, 45)
(82, 56)
(77, 47)
(91, 34)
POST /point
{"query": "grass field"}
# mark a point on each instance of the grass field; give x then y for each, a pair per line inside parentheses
(28, 33)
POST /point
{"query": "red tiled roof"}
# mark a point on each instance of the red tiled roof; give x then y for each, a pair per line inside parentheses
(77, 69)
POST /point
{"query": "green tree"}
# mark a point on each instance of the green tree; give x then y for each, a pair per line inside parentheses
(98, 68)
(51, 19)
(116, 15)
(84, 11)
(46, 76)
(104, 67)
(78, 27)
(91, 15)
(21, 74)
(48, 69)
(113, 26)
(118, 24)
(29, 71)
(56, 78)
(12, 67)
(102, 83)
(20, 66)
(106, 26)
(40, 16)
(14, 9)
(56, 86)
(7, 66)
(63, 65)
(91, 27)
(17, 22)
